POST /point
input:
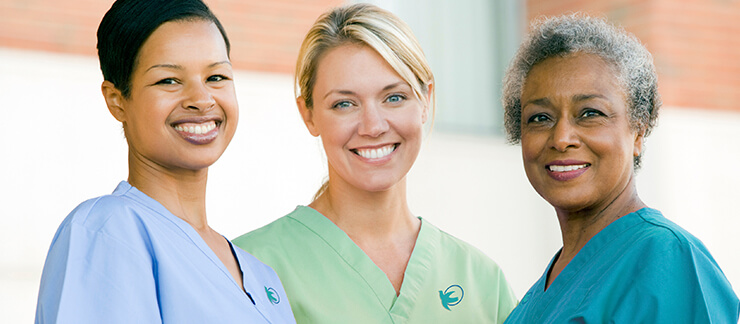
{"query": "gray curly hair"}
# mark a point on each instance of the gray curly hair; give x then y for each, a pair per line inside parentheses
(563, 35)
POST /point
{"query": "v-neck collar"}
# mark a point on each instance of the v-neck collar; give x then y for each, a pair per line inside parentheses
(585, 257)
(187, 231)
(416, 270)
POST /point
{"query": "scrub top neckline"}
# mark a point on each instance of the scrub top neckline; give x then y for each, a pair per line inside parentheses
(188, 231)
(416, 269)
(587, 254)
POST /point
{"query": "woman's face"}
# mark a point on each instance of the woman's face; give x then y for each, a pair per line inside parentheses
(368, 117)
(182, 111)
(577, 144)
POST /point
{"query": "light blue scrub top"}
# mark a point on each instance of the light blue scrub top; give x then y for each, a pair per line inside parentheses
(642, 268)
(124, 258)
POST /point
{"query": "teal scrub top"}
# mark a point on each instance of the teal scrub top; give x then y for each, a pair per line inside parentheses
(329, 279)
(642, 268)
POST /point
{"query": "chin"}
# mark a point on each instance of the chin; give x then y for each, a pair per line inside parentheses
(377, 186)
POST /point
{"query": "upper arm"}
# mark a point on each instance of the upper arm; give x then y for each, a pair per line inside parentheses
(93, 277)
(680, 284)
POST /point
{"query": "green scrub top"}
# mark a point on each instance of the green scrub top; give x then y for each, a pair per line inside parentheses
(329, 279)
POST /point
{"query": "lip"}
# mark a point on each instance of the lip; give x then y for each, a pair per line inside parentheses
(198, 139)
(567, 175)
(380, 160)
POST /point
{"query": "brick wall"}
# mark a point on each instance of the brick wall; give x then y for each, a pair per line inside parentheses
(695, 43)
(265, 34)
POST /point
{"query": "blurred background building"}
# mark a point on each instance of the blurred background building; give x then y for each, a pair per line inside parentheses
(60, 146)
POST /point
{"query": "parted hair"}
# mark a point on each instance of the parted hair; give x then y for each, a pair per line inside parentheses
(371, 26)
(367, 25)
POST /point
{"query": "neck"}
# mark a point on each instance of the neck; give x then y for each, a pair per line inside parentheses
(365, 215)
(182, 192)
(578, 227)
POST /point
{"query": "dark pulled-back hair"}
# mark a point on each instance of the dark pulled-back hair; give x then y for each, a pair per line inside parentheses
(129, 23)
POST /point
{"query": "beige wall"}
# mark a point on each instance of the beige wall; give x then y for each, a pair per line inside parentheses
(60, 146)
(694, 44)
(265, 35)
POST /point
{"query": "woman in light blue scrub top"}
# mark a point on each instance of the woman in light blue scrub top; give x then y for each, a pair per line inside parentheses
(581, 97)
(145, 253)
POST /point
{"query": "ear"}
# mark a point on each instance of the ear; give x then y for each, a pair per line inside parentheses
(114, 100)
(430, 95)
(307, 115)
(639, 140)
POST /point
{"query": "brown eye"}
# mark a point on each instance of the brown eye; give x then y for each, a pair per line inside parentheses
(538, 118)
(167, 81)
(216, 78)
(590, 112)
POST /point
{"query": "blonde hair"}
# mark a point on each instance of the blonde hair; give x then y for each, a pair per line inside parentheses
(371, 26)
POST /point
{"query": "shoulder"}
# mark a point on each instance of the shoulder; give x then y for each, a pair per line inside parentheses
(657, 232)
(662, 253)
(97, 212)
(451, 248)
(115, 219)
(285, 236)
(280, 229)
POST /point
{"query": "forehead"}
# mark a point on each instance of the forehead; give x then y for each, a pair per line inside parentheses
(353, 65)
(183, 40)
(574, 73)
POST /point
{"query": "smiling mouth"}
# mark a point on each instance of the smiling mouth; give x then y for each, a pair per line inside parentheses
(376, 153)
(196, 128)
(566, 168)
(198, 133)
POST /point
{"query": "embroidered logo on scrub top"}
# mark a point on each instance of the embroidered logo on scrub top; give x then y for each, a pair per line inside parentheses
(451, 296)
(272, 295)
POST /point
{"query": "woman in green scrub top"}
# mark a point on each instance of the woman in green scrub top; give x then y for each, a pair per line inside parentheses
(357, 254)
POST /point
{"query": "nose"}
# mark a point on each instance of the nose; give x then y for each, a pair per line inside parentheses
(564, 135)
(373, 122)
(198, 96)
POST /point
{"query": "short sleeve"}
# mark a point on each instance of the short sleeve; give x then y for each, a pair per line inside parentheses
(682, 284)
(91, 276)
(506, 299)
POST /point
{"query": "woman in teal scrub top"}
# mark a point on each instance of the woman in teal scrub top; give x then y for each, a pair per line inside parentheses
(357, 253)
(581, 96)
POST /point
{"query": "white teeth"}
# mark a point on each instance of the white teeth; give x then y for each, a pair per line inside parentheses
(196, 128)
(376, 153)
(566, 168)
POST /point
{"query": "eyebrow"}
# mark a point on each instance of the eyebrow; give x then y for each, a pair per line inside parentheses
(180, 67)
(583, 97)
(578, 97)
(348, 92)
(539, 101)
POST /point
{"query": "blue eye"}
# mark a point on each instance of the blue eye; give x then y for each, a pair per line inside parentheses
(342, 105)
(396, 98)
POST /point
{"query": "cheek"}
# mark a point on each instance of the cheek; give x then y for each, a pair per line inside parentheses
(617, 147)
(409, 124)
(335, 132)
(531, 147)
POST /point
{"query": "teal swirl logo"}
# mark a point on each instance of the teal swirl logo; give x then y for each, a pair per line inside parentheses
(272, 295)
(451, 296)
